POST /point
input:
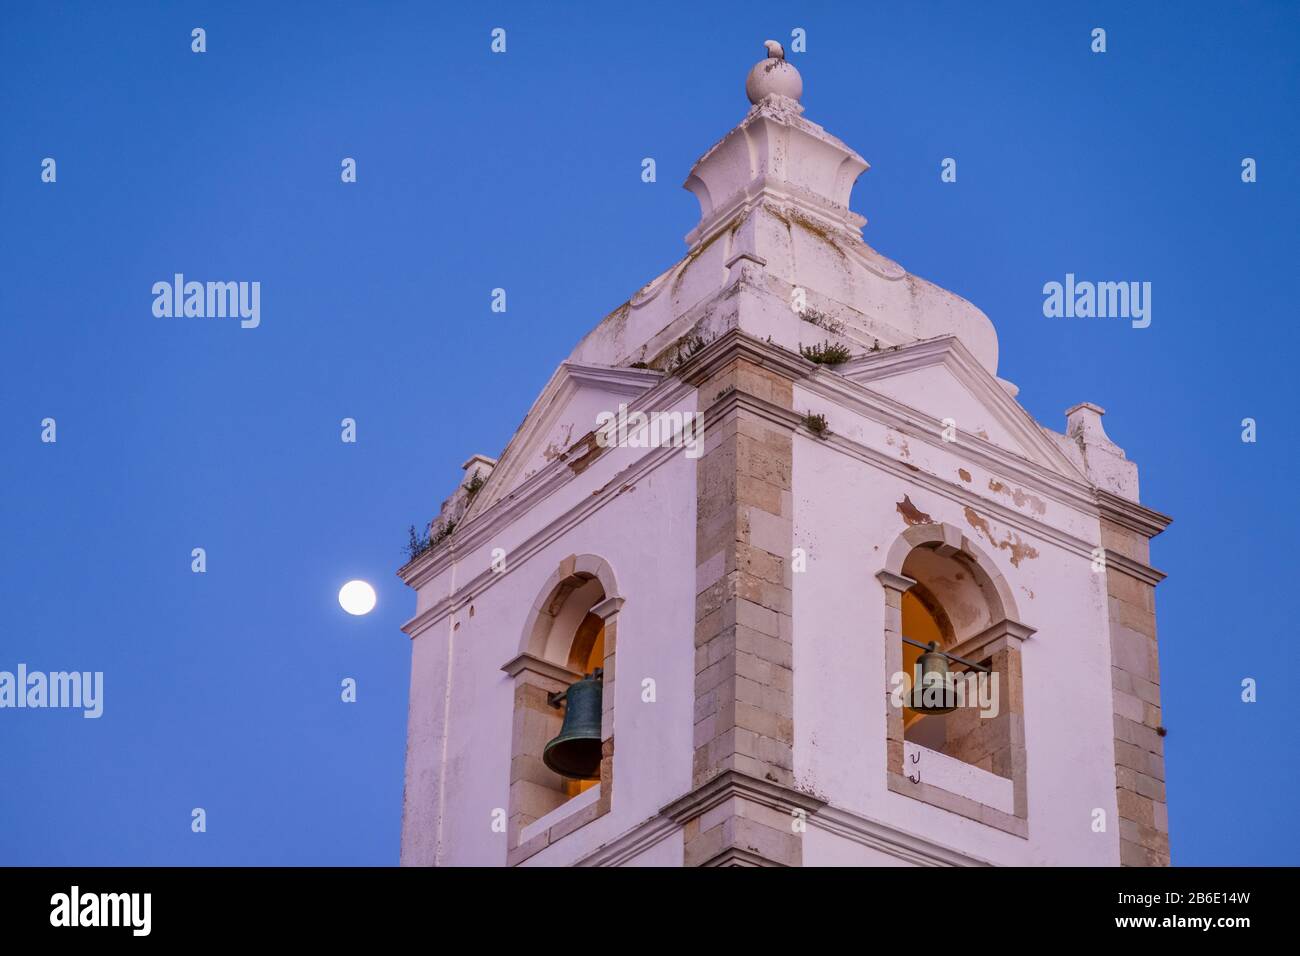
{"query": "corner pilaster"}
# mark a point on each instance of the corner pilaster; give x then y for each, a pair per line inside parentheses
(1126, 530)
(744, 677)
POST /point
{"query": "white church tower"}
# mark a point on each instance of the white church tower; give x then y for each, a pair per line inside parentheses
(781, 476)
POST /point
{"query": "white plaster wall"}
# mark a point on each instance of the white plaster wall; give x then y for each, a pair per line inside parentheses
(424, 740)
(846, 518)
(823, 848)
(647, 535)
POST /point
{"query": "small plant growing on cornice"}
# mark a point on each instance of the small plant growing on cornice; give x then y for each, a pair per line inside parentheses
(826, 353)
(685, 349)
(816, 424)
(475, 482)
(417, 545)
(822, 321)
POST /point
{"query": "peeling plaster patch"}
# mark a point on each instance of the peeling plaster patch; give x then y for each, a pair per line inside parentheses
(1013, 542)
(1027, 591)
(593, 451)
(983, 434)
(964, 475)
(556, 448)
(913, 515)
(903, 450)
(1018, 496)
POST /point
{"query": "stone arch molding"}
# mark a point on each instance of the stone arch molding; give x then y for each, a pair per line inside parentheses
(947, 539)
(574, 572)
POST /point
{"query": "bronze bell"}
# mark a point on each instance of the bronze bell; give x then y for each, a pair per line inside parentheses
(575, 751)
(933, 692)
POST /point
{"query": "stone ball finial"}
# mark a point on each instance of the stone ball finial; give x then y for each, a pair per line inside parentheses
(774, 75)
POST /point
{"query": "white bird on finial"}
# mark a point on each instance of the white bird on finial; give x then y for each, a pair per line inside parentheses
(774, 76)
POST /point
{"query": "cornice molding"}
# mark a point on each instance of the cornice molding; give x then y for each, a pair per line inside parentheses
(487, 578)
(1063, 487)
(1131, 514)
(1143, 572)
(567, 379)
(890, 840)
(733, 344)
(838, 821)
(631, 843)
(427, 618)
(846, 393)
(965, 496)
(479, 526)
(951, 353)
(733, 783)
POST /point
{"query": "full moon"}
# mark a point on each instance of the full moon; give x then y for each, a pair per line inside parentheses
(357, 597)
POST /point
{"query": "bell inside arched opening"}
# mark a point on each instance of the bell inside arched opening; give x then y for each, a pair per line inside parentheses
(951, 601)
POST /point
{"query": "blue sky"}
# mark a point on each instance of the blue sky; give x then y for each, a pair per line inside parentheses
(523, 171)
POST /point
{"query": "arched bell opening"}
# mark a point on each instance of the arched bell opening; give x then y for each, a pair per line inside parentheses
(951, 601)
(949, 612)
(562, 741)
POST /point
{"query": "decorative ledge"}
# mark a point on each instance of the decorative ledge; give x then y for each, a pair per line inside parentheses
(985, 642)
(733, 783)
(1143, 572)
(527, 662)
(894, 582)
(565, 818)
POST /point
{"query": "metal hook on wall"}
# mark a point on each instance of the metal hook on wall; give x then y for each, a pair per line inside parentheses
(916, 758)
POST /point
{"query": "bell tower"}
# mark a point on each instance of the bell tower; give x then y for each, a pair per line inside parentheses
(777, 571)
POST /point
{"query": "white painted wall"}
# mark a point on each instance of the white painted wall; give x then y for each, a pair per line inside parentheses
(633, 532)
(846, 518)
